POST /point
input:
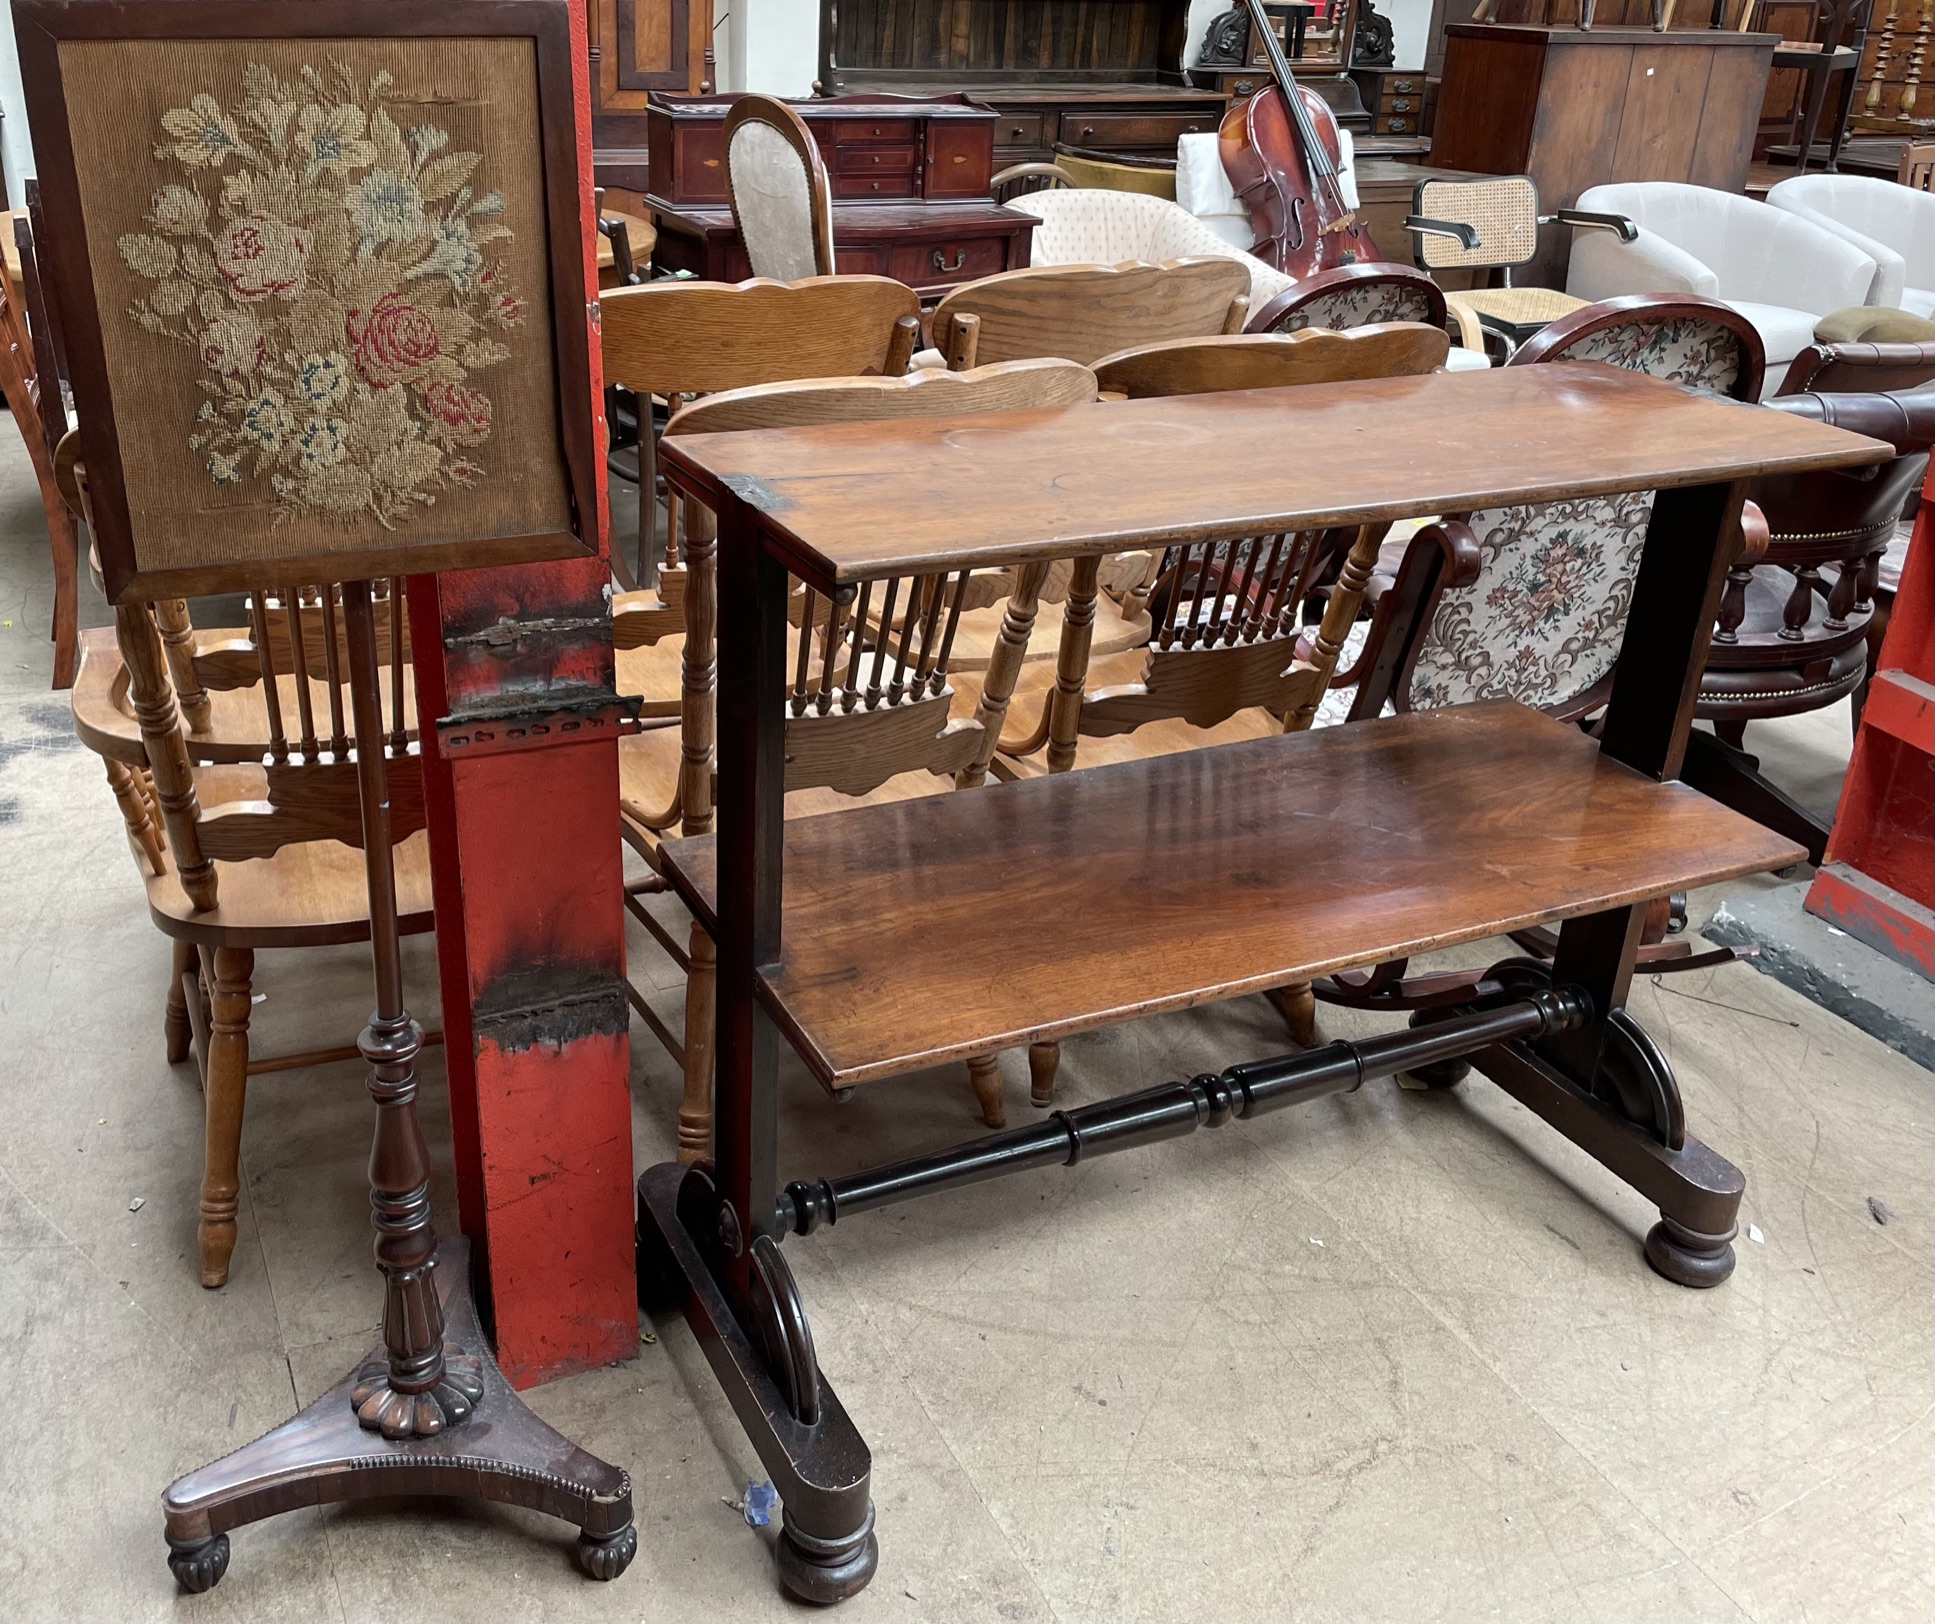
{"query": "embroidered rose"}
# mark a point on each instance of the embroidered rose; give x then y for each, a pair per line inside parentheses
(392, 342)
(261, 257)
(385, 208)
(178, 210)
(458, 416)
(329, 267)
(323, 379)
(233, 345)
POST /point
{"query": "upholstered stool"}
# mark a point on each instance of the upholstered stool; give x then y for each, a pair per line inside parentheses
(1874, 324)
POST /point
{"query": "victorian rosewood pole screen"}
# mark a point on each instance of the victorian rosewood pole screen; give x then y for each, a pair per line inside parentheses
(321, 271)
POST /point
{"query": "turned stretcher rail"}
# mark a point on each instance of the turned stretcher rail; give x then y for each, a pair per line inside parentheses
(1171, 1110)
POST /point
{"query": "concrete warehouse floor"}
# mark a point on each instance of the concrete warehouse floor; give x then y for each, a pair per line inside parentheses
(1390, 1356)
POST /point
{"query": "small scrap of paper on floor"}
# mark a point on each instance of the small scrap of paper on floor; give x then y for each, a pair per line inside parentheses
(761, 1498)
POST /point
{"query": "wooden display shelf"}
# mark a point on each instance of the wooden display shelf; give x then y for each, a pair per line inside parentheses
(895, 936)
(1131, 890)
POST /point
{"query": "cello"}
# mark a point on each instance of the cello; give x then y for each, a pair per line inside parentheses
(1280, 151)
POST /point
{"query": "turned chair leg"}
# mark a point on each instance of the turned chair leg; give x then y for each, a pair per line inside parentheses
(227, 1087)
(695, 1109)
(1298, 1007)
(1044, 1060)
(984, 1076)
(175, 1027)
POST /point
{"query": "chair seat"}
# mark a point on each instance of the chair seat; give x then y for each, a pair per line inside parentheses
(309, 895)
(1750, 694)
(1522, 306)
(653, 673)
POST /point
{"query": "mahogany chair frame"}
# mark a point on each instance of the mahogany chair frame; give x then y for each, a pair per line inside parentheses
(1281, 314)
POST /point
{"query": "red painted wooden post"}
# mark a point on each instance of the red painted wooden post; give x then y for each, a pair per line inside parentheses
(514, 667)
(1878, 882)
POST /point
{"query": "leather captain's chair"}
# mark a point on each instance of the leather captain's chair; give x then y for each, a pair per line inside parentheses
(1786, 642)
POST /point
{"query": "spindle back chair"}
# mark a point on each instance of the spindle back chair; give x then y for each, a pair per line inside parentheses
(871, 700)
(1228, 658)
(681, 339)
(1083, 312)
(247, 842)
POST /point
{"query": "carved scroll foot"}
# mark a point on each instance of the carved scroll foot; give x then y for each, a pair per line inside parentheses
(198, 1564)
(1688, 1258)
(825, 1571)
(382, 1408)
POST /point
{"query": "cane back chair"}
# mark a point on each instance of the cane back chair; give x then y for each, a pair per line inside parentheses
(874, 711)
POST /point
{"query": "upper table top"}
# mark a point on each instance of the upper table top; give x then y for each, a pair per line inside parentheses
(856, 501)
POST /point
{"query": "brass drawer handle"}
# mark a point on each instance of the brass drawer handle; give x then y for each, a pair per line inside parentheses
(1397, 125)
(1243, 87)
(1400, 104)
(940, 259)
(1402, 84)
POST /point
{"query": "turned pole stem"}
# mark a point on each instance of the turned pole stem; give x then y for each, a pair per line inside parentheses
(406, 1240)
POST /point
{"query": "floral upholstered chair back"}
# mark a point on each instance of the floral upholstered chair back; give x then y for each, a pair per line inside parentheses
(1543, 620)
(308, 287)
(1353, 296)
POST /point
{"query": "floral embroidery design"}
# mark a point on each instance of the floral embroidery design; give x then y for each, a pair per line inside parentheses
(1699, 354)
(1544, 620)
(329, 268)
(1359, 306)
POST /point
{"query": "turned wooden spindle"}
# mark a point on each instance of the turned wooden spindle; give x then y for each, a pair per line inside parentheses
(1071, 666)
(399, 734)
(1004, 670)
(333, 667)
(411, 1389)
(1346, 598)
(299, 664)
(1799, 607)
(265, 665)
(153, 698)
(135, 813)
(701, 1002)
(699, 668)
(178, 645)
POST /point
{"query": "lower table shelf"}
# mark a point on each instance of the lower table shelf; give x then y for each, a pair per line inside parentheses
(929, 930)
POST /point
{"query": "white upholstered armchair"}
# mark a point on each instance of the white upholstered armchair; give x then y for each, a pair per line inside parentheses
(1779, 271)
(1090, 226)
(1893, 225)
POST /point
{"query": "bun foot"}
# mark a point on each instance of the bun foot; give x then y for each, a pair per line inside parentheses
(827, 1571)
(198, 1564)
(1435, 1077)
(605, 1556)
(1688, 1258)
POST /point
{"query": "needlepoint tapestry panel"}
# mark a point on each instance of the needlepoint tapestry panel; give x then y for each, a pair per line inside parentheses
(321, 276)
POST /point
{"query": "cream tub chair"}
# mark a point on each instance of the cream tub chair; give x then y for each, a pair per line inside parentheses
(1779, 271)
(1892, 224)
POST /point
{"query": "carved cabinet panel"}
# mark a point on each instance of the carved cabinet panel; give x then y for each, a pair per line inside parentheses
(637, 47)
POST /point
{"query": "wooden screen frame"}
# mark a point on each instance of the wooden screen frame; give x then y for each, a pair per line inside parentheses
(41, 26)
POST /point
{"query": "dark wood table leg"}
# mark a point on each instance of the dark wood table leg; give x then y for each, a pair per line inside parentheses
(717, 1229)
(1604, 1085)
(396, 1425)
